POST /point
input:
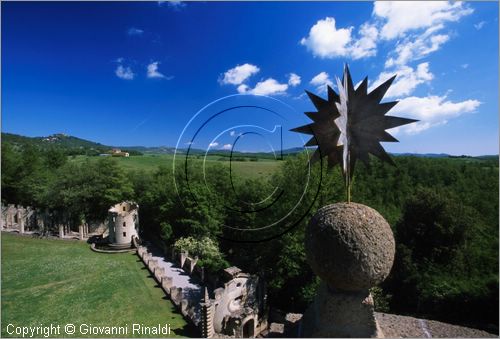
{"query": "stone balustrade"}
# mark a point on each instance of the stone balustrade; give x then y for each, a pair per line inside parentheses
(176, 295)
(166, 284)
(187, 307)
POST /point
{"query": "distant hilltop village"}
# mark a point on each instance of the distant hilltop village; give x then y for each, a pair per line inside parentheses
(115, 152)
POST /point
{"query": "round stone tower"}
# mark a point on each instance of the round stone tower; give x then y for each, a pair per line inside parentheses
(123, 224)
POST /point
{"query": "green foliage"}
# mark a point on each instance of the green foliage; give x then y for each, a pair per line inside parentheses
(86, 191)
(446, 256)
(381, 300)
(205, 249)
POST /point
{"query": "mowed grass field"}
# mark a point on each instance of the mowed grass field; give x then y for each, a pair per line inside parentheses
(150, 162)
(60, 282)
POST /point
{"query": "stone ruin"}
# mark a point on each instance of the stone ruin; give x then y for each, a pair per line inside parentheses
(19, 219)
(29, 220)
(236, 307)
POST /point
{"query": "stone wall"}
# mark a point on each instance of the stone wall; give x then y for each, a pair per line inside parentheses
(237, 309)
(181, 297)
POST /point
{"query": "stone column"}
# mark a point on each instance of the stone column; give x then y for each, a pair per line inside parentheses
(20, 220)
(61, 231)
(351, 248)
(10, 217)
(80, 231)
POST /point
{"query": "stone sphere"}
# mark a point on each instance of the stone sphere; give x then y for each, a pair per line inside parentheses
(349, 246)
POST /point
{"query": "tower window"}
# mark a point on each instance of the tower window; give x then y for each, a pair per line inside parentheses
(124, 209)
(124, 234)
(124, 224)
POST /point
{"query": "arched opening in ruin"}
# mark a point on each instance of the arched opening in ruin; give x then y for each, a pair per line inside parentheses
(248, 328)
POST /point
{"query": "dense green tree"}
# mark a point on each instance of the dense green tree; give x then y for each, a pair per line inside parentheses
(11, 166)
(86, 191)
(444, 257)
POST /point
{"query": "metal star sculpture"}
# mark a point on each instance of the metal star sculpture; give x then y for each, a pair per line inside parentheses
(351, 124)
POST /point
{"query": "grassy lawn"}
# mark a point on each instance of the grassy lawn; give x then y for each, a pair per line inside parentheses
(59, 282)
(149, 162)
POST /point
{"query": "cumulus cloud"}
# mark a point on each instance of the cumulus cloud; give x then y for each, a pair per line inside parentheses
(226, 147)
(294, 80)
(366, 44)
(417, 46)
(238, 74)
(401, 16)
(232, 133)
(265, 87)
(390, 20)
(321, 80)
(213, 144)
(135, 31)
(406, 81)
(431, 111)
(124, 72)
(325, 40)
(154, 73)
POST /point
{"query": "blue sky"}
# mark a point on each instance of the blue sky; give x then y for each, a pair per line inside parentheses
(135, 73)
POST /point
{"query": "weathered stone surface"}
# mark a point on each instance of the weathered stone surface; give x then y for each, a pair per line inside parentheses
(337, 314)
(350, 246)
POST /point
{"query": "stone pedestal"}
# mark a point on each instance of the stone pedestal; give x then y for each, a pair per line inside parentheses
(337, 314)
(351, 248)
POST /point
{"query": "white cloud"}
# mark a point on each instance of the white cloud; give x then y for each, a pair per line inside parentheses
(294, 80)
(124, 72)
(266, 87)
(464, 66)
(366, 44)
(213, 144)
(135, 31)
(242, 88)
(238, 74)
(320, 81)
(416, 47)
(431, 111)
(154, 73)
(326, 41)
(406, 81)
(479, 25)
(227, 147)
(403, 16)
(232, 133)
